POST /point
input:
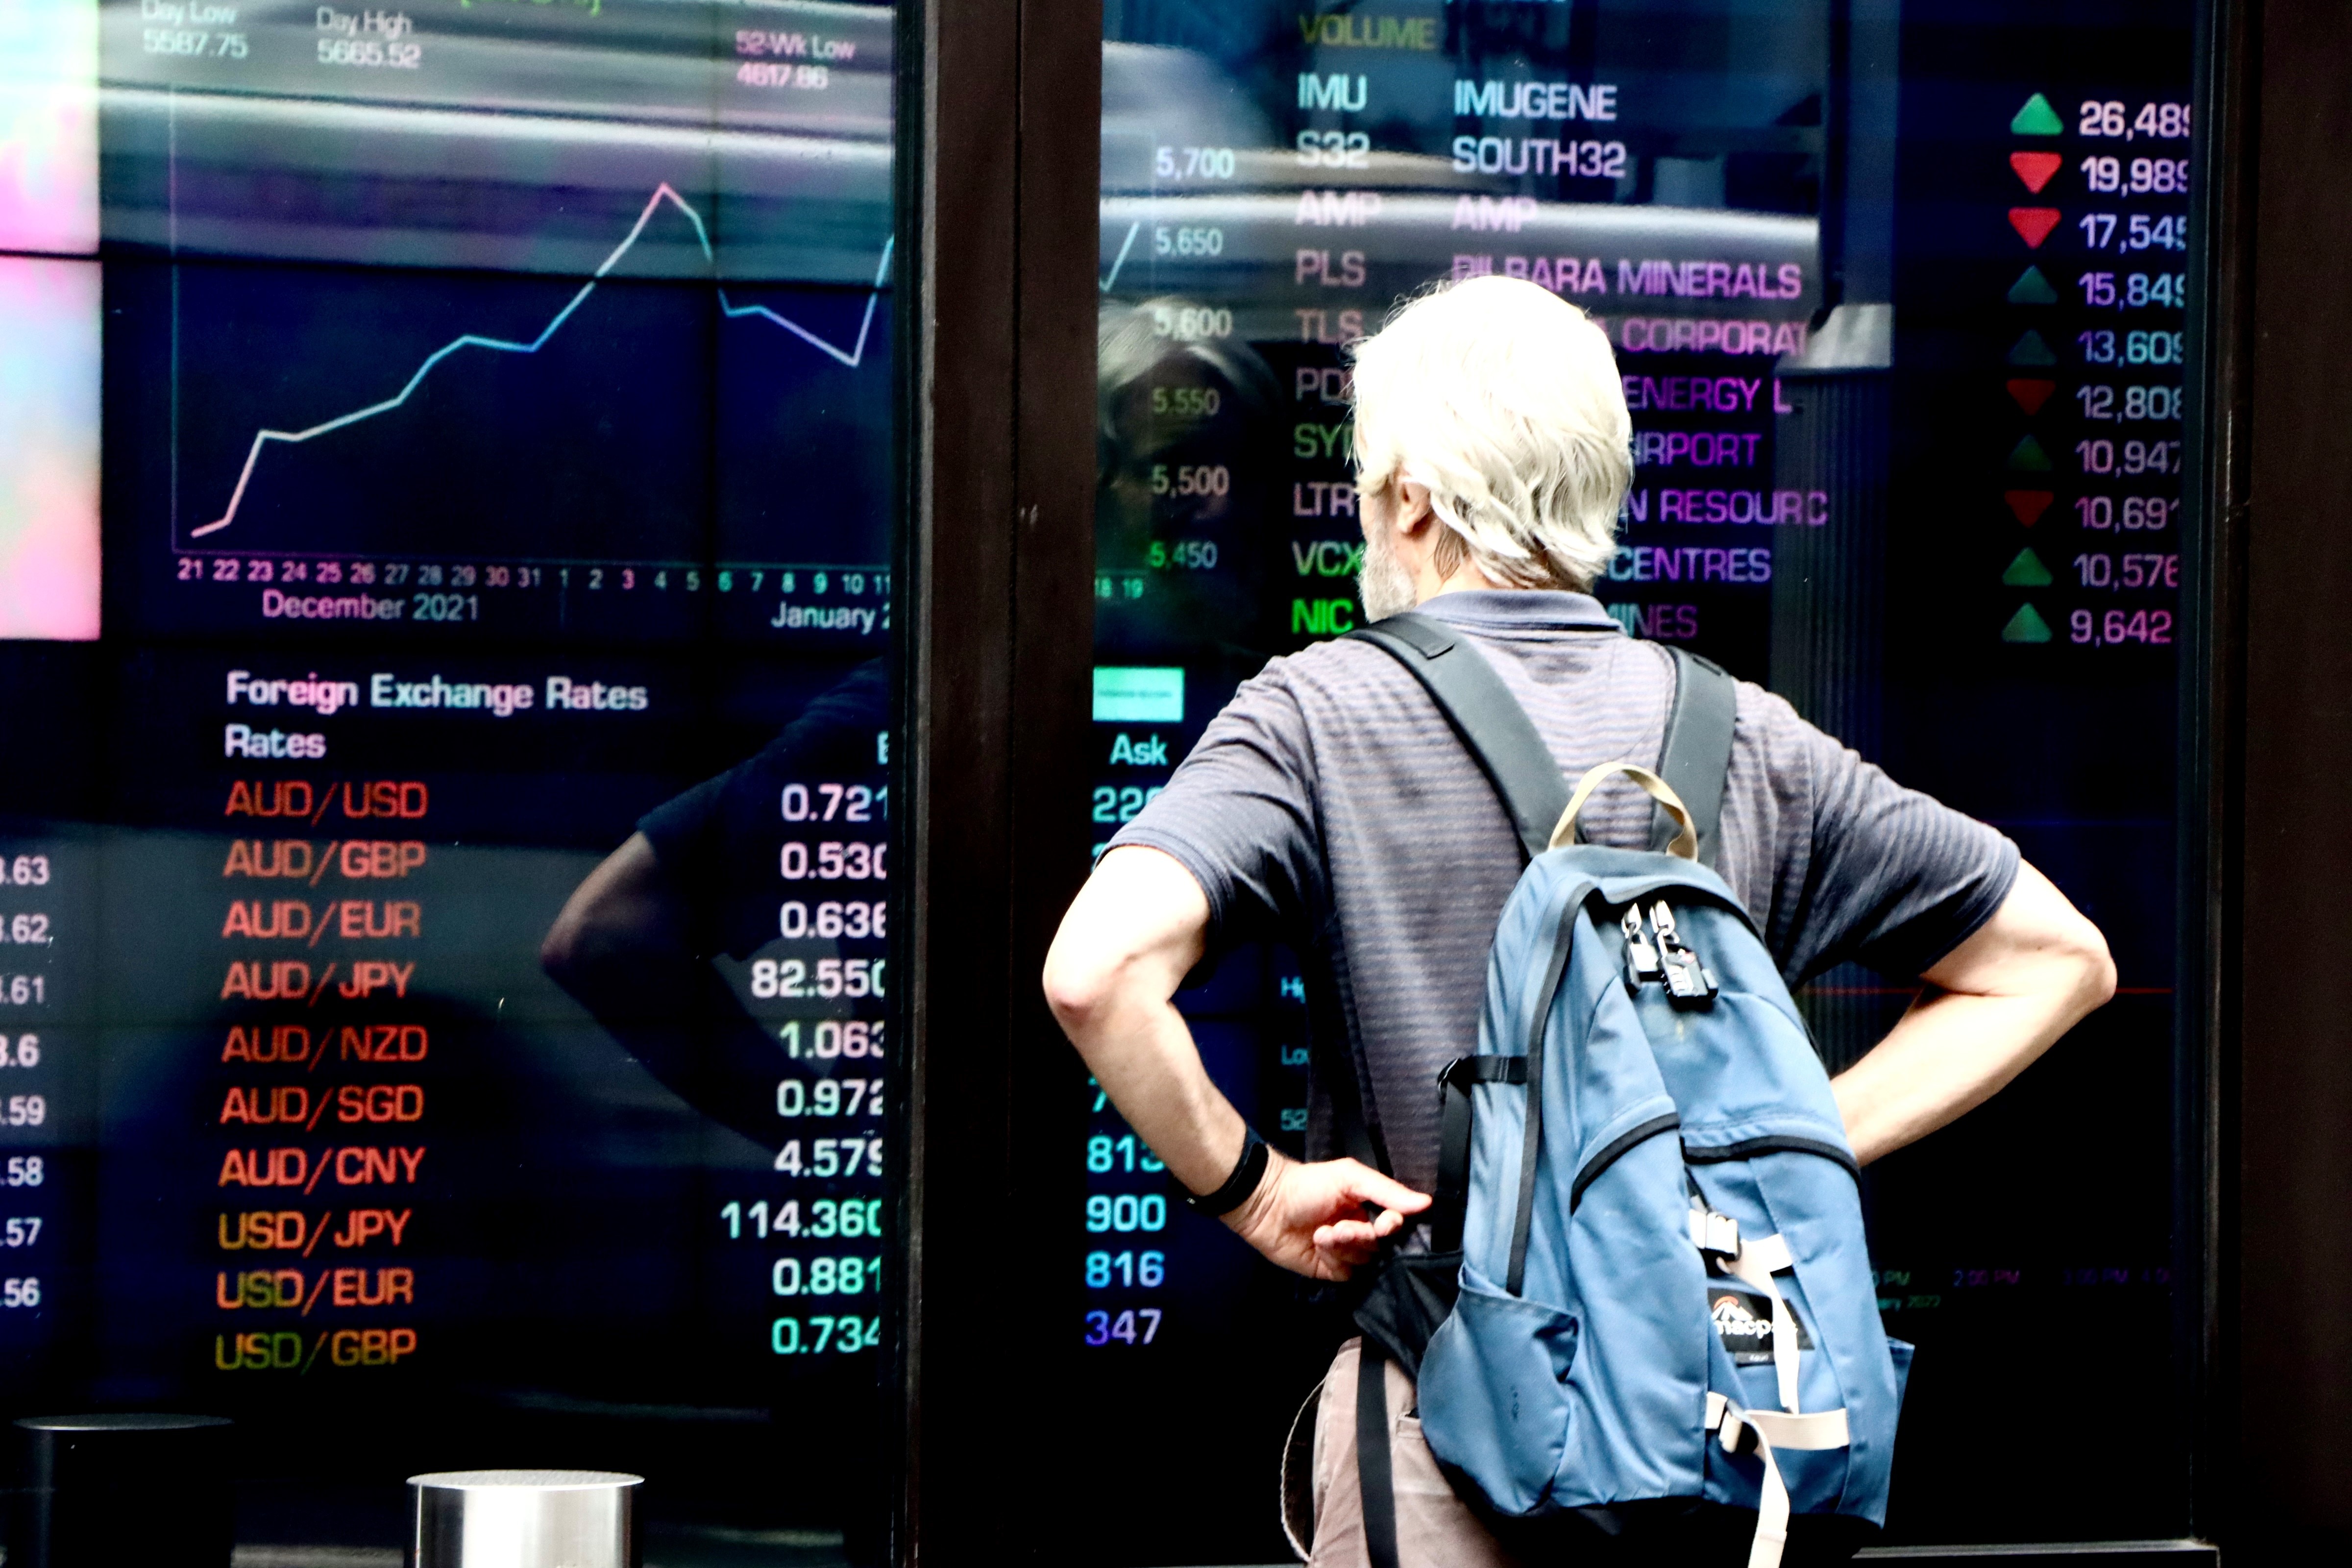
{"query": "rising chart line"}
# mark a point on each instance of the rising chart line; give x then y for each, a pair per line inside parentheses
(1125, 246)
(851, 357)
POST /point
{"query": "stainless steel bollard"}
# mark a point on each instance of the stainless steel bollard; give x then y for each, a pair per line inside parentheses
(523, 1519)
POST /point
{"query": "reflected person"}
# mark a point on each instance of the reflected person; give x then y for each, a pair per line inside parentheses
(633, 942)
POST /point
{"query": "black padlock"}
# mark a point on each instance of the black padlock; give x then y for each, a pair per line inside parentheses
(1688, 985)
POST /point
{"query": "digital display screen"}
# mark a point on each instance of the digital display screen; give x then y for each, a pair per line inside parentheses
(1897, 295)
(446, 531)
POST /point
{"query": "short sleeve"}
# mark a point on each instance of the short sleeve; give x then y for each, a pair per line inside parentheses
(1894, 879)
(1239, 814)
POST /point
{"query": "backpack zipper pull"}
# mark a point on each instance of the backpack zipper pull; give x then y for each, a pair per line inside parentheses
(1641, 959)
(1688, 985)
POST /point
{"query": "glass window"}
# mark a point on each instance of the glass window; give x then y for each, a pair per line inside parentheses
(445, 853)
(1897, 297)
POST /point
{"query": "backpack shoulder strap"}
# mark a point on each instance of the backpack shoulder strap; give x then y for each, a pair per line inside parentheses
(1375, 1474)
(1484, 714)
(1694, 760)
(1697, 758)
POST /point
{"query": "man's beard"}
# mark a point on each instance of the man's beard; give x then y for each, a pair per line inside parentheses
(1387, 590)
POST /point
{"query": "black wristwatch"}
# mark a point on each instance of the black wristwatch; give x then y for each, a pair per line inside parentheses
(1248, 1171)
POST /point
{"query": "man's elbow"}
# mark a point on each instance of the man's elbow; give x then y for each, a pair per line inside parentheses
(2094, 967)
(564, 952)
(1078, 988)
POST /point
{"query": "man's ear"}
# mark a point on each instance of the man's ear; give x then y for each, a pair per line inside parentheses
(1413, 511)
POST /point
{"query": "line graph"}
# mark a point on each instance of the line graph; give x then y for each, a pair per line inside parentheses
(1110, 279)
(851, 357)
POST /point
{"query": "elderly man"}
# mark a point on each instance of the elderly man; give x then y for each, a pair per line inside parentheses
(1332, 807)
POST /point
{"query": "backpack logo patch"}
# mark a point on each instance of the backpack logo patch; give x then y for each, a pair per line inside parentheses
(1743, 1321)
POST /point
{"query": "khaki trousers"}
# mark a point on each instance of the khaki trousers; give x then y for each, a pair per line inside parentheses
(1435, 1528)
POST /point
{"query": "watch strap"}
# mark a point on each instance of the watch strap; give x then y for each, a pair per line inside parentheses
(1248, 1172)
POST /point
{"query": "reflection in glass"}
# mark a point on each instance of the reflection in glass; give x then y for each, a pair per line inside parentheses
(1886, 285)
(493, 442)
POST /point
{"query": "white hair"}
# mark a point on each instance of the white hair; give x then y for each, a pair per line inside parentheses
(1503, 400)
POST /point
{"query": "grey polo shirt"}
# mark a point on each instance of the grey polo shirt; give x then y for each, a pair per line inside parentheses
(1331, 807)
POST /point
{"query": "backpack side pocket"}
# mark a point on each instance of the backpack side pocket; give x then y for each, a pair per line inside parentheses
(1493, 1400)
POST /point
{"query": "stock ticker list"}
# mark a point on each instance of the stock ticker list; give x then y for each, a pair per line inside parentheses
(1903, 356)
(2095, 372)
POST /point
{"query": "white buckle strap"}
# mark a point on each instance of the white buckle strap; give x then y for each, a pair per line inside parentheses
(1818, 1430)
(1716, 1235)
(1760, 1258)
(1772, 1428)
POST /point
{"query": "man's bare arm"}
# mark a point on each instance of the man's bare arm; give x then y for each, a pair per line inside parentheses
(1995, 1003)
(623, 946)
(1133, 934)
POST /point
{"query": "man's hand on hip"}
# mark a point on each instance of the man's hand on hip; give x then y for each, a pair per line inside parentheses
(1137, 929)
(1311, 1218)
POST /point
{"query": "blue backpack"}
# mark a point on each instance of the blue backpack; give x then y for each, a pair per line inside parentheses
(1647, 1301)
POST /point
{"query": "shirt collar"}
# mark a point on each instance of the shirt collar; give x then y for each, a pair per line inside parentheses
(1521, 610)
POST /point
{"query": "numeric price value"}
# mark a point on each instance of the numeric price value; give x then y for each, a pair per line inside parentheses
(834, 1037)
(2112, 117)
(1190, 323)
(826, 1158)
(192, 44)
(1126, 1212)
(1187, 401)
(825, 1276)
(2117, 629)
(2097, 569)
(1107, 1271)
(2097, 454)
(1104, 1153)
(852, 919)
(2151, 403)
(825, 802)
(1183, 554)
(2141, 231)
(2138, 290)
(836, 860)
(828, 1217)
(787, 1336)
(1116, 805)
(27, 930)
(829, 1097)
(789, 977)
(2106, 174)
(1191, 479)
(2147, 515)
(1138, 1327)
(2136, 348)
(1193, 163)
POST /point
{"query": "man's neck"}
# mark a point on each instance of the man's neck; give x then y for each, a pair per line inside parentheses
(1466, 578)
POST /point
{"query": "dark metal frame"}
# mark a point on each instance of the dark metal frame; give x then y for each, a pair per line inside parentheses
(2211, 745)
(1000, 117)
(2277, 860)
